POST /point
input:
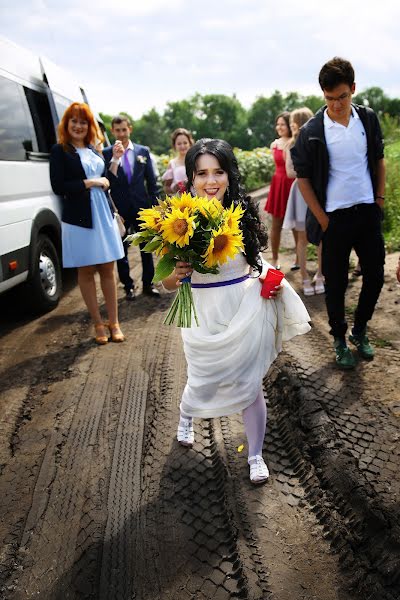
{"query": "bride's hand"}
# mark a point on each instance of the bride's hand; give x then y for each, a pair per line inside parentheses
(275, 293)
(182, 269)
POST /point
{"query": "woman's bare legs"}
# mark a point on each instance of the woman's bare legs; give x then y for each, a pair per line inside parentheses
(109, 288)
(87, 286)
(296, 242)
(302, 253)
(276, 229)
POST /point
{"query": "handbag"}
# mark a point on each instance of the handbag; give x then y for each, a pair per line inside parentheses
(118, 218)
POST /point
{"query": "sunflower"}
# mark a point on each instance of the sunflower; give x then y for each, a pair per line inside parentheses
(151, 217)
(210, 208)
(233, 216)
(178, 227)
(184, 201)
(224, 244)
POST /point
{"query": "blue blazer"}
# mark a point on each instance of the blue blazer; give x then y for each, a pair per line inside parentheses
(66, 176)
(143, 190)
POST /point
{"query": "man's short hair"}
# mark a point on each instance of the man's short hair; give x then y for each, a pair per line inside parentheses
(118, 119)
(334, 72)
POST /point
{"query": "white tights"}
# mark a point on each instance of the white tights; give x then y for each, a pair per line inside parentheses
(255, 422)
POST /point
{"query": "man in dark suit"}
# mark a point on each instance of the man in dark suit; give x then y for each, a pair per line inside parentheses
(133, 187)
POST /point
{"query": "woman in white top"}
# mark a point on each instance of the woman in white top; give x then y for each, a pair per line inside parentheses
(174, 179)
(295, 216)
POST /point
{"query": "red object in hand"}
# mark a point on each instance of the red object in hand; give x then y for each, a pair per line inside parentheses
(181, 186)
(273, 279)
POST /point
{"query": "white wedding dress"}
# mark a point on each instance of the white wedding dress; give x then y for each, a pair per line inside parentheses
(240, 334)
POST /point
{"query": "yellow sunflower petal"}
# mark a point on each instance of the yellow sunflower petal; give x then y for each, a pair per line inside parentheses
(224, 244)
(178, 227)
(184, 201)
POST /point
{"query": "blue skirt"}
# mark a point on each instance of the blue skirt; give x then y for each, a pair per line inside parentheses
(102, 243)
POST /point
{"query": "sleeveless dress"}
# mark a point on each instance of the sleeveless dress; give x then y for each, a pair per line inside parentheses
(280, 186)
(295, 216)
(175, 172)
(240, 334)
(82, 246)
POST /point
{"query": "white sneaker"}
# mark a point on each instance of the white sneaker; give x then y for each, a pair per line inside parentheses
(308, 288)
(319, 285)
(258, 469)
(185, 434)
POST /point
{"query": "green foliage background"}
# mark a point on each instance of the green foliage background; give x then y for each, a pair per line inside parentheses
(256, 166)
(221, 116)
(251, 132)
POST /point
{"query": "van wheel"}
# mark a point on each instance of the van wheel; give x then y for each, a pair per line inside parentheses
(45, 284)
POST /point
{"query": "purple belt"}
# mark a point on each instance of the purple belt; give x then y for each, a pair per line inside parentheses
(220, 283)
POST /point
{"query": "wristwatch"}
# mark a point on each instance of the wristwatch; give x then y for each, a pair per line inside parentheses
(114, 160)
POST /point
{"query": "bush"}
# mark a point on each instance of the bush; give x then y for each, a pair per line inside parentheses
(391, 224)
(256, 166)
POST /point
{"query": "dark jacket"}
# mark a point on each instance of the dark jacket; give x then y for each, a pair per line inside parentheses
(143, 190)
(66, 176)
(311, 159)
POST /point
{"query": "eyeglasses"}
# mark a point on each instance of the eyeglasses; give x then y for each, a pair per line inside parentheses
(340, 98)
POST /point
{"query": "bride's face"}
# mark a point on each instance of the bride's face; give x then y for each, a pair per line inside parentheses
(210, 179)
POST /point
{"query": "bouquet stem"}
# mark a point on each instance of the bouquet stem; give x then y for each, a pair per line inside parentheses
(182, 307)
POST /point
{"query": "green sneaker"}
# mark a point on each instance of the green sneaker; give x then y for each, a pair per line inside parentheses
(363, 346)
(344, 356)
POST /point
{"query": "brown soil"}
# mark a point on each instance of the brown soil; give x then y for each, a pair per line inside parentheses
(98, 501)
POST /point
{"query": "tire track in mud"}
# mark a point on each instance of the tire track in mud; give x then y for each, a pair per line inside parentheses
(184, 530)
(289, 558)
(59, 496)
(352, 447)
(121, 511)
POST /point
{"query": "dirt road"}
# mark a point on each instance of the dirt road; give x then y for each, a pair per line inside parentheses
(98, 501)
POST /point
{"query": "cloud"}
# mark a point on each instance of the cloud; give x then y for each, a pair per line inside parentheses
(134, 55)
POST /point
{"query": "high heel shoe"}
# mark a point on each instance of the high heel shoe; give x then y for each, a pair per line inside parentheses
(101, 337)
(116, 333)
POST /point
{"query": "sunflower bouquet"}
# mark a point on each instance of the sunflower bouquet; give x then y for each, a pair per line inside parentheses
(192, 229)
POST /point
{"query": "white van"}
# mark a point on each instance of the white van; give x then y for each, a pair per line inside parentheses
(34, 94)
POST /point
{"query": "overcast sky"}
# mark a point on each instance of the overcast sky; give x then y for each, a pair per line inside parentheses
(135, 54)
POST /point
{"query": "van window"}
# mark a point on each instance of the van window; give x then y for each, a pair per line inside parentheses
(40, 111)
(17, 134)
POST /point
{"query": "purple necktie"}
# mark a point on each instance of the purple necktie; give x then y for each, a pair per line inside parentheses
(127, 167)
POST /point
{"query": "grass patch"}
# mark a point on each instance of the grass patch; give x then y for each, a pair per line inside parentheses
(382, 343)
(350, 310)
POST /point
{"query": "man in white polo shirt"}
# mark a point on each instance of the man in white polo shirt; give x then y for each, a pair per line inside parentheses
(338, 158)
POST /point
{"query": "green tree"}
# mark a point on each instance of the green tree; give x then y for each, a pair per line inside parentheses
(223, 117)
(184, 113)
(150, 130)
(374, 97)
(261, 119)
(107, 124)
(314, 103)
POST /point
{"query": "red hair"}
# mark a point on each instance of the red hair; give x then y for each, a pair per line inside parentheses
(82, 111)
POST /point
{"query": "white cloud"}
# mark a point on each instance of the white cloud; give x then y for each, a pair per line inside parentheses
(135, 54)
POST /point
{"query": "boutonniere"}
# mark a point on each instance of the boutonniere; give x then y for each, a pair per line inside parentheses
(141, 159)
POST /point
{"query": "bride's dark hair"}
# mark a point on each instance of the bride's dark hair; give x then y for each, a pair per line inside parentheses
(255, 236)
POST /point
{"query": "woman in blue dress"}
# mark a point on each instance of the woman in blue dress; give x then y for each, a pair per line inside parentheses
(90, 237)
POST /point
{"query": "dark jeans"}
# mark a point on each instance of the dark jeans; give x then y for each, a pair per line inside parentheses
(357, 227)
(123, 263)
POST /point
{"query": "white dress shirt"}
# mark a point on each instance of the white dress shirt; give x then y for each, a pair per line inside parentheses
(349, 178)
